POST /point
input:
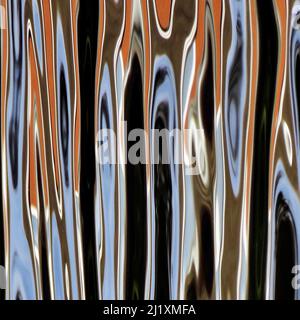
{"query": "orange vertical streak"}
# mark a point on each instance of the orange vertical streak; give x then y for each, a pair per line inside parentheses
(163, 9)
(127, 32)
(101, 30)
(282, 26)
(76, 142)
(4, 73)
(217, 21)
(199, 44)
(50, 84)
(35, 105)
(252, 102)
(147, 61)
(34, 99)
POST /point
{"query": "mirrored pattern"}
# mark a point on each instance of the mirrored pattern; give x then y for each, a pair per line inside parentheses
(225, 73)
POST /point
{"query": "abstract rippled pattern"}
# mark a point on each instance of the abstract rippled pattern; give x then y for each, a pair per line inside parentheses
(72, 228)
